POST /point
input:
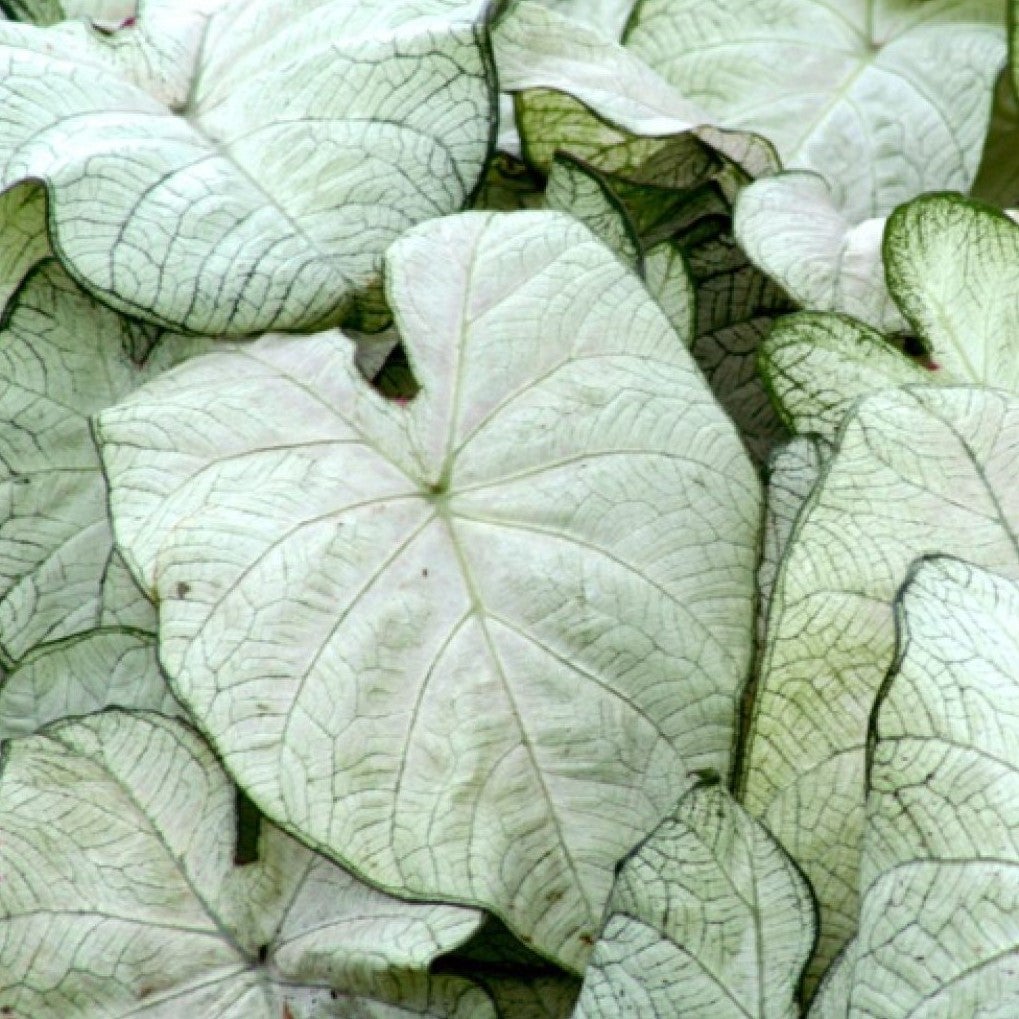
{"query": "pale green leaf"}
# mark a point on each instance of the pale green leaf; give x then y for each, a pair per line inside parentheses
(23, 240)
(998, 177)
(953, 268)
(608, 16)
(708, 919)
(816, 366)
(495, 626)
(121, 897)
(883, 99)
(792, 230)
(104, 13)
(939, 933)
(918, 470)
(263, 195)
(832, 998)
(668, 281)
(81, 675)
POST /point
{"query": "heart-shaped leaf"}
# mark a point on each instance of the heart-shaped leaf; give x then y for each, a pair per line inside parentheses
(120, 896)
(496, 625)
(240, 188)
(828, 86)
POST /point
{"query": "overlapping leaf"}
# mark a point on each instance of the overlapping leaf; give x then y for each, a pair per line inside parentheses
(120, 896)
(471, 645)
(884, 100)
(708, 919)
(917, 471)
(940, 875)
(200, 175)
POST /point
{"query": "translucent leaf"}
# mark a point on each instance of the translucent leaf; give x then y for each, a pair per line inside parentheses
(472, 644)
(708, 919)
(121, 898)
(251, 160)
(953, 268)
(917, 471)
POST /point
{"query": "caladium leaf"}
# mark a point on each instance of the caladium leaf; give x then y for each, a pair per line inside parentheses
(832, 998)
(121, 897)
(736, 308)
(63, 357)
(668, 281)
(793, 470)
(940, 873)
(106, 14)
(83, 675)
(551, 547)
(708, 919)
(953, 268)
(608, 16)
(827, 86)
(583, 193)
(791, 228)
(943, 461)
(587, 94)
(265, 198)
(816, 366)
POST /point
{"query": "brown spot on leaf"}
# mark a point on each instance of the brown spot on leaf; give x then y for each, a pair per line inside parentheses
(183, 590)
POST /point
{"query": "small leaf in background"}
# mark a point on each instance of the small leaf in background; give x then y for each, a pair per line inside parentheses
(473, 644)
(792, 230)
(917, 471)
(817, 366)
(120, 897)
(708, 919)
(940, 875)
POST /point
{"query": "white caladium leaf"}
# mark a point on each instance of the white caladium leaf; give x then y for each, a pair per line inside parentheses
(63, 357)
(263, 195)
(791, 228)
(83, 675)
(538, 998)
(832, 998)
(23, 239)
(829, 86)
(708, 919)
(793, 470)
(608, 16)
(496, 625)
(816, 366)
(918, 470)
(121, 896)
(668, 280)
(541, 49)
(953, 267)
(940, 874)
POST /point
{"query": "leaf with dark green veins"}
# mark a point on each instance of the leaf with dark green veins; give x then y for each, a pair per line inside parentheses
(535, 578)
(917, 470)
(708, 919)
(940, 868)
(120, 896)
(253, 159)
